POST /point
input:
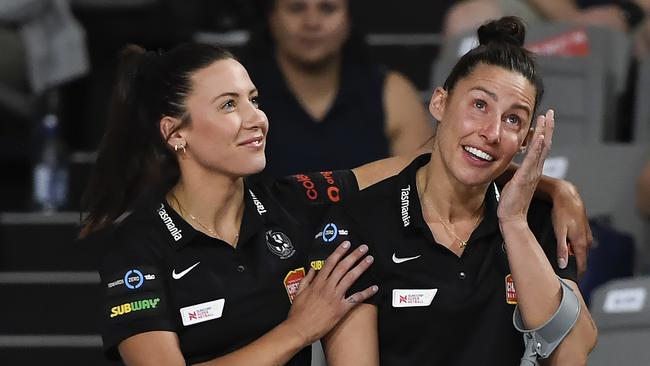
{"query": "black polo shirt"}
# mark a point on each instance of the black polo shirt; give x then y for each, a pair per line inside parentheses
(435, 308)
(161, 274)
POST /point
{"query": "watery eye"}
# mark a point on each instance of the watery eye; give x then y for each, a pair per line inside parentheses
(513, 119)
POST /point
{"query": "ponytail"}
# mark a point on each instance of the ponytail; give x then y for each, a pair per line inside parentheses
(133, 155)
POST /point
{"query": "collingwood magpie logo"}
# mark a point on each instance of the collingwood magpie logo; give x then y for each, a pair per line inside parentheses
(404, 199)
(279, 244)
(167, 220)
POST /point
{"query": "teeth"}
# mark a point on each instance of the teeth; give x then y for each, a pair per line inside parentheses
(478, 153)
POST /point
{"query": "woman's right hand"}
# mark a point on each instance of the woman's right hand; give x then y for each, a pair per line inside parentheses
(321, 300)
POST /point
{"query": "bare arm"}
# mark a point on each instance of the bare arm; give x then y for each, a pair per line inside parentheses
(643, 191)
(354, 340)
(318, 306)
(408, 125)
(538, 289)
(557, 9)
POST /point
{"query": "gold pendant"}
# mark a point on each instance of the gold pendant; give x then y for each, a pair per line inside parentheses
(462, 244)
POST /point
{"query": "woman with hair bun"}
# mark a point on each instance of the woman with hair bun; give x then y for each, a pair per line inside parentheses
(203, 264)
(453, 254)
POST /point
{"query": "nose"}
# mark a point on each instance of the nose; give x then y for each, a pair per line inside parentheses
(491, 131)
(312, 18)
(253, 117)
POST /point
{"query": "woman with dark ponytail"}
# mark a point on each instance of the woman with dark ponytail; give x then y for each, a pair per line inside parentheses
(456, 257)
(202, 263)
(207, 265)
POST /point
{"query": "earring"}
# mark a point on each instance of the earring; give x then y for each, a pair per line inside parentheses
(179, 146)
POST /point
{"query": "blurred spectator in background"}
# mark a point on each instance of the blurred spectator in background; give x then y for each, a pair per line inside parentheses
(628, 16)
(42, 46)
(331, 106)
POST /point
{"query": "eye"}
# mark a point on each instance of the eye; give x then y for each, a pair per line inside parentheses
(256, 101)
(513, 119)
(479, 104)
(296, 7)
(228, 105)
(328, 8)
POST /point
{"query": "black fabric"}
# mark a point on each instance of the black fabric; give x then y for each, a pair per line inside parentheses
(469, 321)
(352, 132)
(157, 268)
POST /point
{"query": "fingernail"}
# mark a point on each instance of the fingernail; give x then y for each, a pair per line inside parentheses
(370, 259)
(561, 262)
(345, 245)
(363, 248)
(375, 288)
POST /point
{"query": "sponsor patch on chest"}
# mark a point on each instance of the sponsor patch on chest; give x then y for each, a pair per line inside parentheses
(199, 313)
(292, 282)
(406, 298)
(511, 293)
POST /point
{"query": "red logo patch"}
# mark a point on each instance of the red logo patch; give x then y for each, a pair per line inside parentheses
(292, 282)
(511, 293)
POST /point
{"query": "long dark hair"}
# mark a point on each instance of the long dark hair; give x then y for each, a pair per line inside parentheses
(501, 44)
(133, 155)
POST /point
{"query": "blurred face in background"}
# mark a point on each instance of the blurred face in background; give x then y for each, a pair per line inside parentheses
(310, 32)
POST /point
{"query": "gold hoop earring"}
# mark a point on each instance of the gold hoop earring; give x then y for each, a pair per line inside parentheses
(179, 146)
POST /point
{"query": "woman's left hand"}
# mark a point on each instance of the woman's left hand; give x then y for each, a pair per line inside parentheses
(518, 192)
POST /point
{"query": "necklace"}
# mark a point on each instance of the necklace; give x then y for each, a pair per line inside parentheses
(212, 232)
(461, 243)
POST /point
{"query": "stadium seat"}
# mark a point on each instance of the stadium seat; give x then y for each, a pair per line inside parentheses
(621, 310)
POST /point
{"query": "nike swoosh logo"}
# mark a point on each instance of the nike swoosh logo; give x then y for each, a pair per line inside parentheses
(402, 260)
(178, 276)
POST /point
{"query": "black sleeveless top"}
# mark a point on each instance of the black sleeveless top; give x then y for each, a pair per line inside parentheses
(351, 134)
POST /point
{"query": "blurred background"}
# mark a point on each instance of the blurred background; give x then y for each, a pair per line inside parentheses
(57, 64)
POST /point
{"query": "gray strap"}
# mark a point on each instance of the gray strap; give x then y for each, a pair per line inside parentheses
(542, 341)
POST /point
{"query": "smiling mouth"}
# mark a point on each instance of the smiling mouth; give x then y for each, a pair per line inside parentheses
(253, 142)
(479, 154)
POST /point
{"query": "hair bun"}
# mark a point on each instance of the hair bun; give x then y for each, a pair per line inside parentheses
(510, 30)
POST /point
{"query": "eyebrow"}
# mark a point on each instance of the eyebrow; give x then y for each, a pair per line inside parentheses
(233, 94)
(496, 98)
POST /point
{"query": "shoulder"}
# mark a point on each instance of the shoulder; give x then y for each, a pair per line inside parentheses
(135, 239)
(396, 84)
(316, 188)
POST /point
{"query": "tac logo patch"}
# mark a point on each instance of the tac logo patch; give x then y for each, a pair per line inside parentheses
(279, 244)
(134, 306)
(511, 293)
(330, 233)
(132, 279)
(292, 282)
(202, 312)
